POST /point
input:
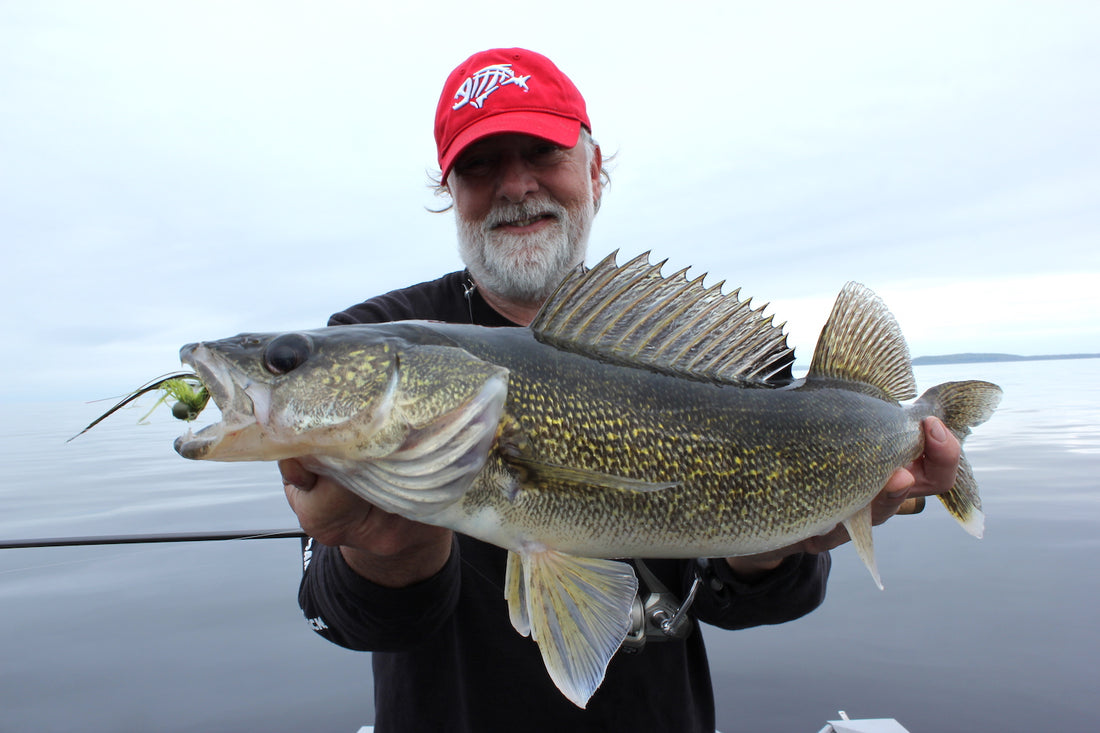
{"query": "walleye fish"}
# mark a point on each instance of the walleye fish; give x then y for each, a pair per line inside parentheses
(634, 418)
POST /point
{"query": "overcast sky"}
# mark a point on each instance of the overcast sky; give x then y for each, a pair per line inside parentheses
(178, 171)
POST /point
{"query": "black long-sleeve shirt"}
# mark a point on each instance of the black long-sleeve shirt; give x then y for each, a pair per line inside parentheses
(446, 657)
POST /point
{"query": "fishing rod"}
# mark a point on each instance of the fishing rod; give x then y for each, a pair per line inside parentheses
(914, 505)
(146, 539)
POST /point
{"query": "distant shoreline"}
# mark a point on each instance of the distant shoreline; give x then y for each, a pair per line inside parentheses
(801, 368)
(979, 358)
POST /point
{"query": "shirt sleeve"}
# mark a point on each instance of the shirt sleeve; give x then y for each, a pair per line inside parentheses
(790, 591)
(349, 610)
(341, 605)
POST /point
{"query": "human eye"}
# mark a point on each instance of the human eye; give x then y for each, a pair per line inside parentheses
(474, 164)
(545, 153)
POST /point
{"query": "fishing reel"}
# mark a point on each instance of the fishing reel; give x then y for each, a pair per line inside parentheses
(660, 616)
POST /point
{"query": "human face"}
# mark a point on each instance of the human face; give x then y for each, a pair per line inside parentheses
(524, 208)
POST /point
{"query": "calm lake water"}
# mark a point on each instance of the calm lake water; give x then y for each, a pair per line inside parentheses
(993, 635)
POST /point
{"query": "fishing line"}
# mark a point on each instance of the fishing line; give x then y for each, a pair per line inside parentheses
(479, 572)
(61, 563)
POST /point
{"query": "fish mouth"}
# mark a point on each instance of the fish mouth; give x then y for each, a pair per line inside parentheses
(244, 404)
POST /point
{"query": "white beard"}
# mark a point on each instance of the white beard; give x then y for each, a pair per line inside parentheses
(525, 267)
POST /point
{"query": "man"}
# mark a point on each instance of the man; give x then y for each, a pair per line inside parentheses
(518, 160)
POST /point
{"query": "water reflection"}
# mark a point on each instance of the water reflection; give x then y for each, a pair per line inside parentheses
(998, 634)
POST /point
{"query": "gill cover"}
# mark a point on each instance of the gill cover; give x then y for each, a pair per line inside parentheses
(437, 436)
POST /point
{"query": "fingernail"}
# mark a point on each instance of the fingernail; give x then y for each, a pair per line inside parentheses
(936, 431)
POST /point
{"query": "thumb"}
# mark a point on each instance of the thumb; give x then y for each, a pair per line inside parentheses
(295, 474)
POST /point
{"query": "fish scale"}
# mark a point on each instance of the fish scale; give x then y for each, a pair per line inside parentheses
(600, 432)
(729, 480)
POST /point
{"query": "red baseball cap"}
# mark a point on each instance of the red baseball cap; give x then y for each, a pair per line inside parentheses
(506, 90)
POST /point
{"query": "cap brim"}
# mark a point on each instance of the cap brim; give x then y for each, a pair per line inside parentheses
(560, 130)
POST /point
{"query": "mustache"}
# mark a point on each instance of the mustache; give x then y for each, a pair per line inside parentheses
(506, 213)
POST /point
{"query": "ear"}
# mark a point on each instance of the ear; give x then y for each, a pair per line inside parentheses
(594, 174)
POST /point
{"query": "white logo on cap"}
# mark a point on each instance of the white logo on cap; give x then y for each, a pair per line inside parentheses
(483, 83)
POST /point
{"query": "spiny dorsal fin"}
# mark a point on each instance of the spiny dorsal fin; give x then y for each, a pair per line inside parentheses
(861, 342)
(633, 315)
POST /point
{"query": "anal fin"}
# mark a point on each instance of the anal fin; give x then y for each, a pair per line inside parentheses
(859, 529)
(576, 609)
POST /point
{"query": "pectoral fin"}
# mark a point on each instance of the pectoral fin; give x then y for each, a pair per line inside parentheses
(536, 471)
(859, 529)
(576, 609)
(515, 450)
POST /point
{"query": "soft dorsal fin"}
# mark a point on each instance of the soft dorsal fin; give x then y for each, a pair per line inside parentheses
(633, 315)
(861, 342)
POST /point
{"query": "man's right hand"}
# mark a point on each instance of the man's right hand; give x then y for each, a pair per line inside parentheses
(384, 548)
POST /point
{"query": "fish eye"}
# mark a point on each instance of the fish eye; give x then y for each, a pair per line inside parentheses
(287, 352)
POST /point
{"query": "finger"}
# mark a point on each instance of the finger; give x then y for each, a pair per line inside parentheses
(940, 462)
(826, 542)
(301, 502)
(831, 540)
(887, 502)
(294, 495)
(899, 485)
(912, 505)
(294, 473)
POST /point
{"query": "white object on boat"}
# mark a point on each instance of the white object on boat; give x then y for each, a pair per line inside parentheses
(869, 725)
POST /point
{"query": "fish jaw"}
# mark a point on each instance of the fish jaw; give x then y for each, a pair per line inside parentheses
(260, 419)
(219, 443)
(245, 405)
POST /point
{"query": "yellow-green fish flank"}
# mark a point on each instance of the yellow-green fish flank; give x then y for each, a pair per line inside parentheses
(651, 429)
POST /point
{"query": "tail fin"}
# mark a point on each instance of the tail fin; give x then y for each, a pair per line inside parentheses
(961, 406)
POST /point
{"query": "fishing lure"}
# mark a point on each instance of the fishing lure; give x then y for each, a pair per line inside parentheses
(186, 388)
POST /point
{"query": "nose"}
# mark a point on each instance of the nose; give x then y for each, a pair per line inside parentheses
(517, 180)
